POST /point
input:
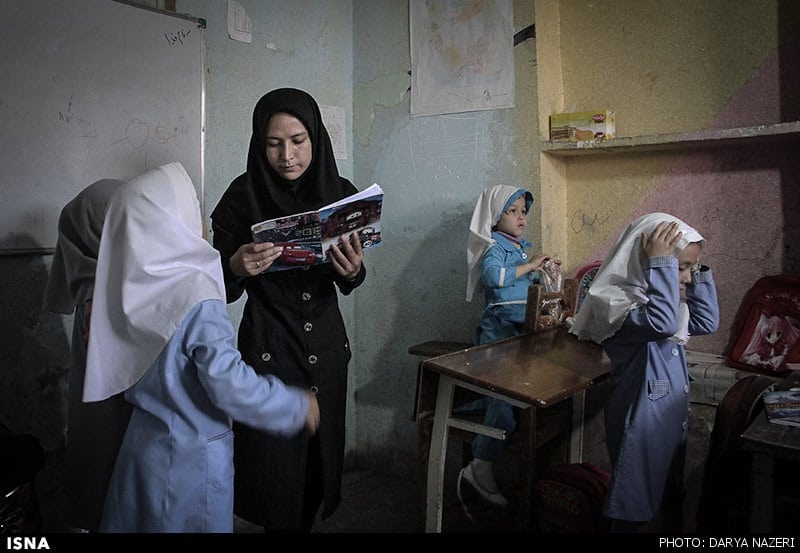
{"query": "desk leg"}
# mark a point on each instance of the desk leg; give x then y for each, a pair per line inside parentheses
(528, 429)
(576, 434)
(761, 509)
(437, 454)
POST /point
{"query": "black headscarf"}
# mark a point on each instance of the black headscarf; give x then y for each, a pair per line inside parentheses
(261, 193)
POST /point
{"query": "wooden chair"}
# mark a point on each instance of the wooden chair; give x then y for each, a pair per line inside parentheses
(549, 310)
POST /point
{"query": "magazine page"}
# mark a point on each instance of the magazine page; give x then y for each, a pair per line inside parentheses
(359, 213)
(298, 234)
(306, 237)
(783, 407)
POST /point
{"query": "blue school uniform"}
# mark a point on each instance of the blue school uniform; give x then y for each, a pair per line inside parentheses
(503, 316)
(651, 391)
(505, 295)
(174, 472)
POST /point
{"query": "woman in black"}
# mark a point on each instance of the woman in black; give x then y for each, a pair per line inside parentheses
(291, 326)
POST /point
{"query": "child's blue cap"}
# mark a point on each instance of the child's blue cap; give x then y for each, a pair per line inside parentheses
(516, 195)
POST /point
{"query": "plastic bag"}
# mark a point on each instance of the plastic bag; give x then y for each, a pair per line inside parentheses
(550, 276)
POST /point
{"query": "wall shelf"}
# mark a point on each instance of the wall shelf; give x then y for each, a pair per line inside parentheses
(783, 132)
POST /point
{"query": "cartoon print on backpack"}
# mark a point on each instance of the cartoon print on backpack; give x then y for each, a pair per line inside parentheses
(773, 337)
(765, 336)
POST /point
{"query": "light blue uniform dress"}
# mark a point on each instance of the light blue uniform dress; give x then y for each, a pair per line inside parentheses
(646, 415)
(174, 472)
(503, 316)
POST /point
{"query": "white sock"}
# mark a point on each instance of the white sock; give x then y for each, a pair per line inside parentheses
(484, 475)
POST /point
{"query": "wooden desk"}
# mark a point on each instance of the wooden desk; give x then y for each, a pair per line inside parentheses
(767, 442)
(531, 371)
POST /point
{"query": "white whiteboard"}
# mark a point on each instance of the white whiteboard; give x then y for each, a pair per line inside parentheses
(91, 89)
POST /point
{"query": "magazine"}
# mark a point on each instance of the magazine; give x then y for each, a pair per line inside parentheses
(307, 237)
(783, 407)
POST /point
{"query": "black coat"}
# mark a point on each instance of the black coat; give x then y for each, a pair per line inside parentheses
(291, 327)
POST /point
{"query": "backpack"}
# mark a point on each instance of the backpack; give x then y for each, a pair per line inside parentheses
(585, 276)
(724, 504)
(766, 330)
(568, 499)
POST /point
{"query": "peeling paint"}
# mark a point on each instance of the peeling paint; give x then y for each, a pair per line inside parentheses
(381, 92)
(274, 47)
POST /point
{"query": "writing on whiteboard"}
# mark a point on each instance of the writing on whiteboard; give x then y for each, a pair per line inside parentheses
(177, 37)
(138, 132)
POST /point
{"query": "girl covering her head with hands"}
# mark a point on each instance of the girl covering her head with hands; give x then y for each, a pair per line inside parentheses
(291, 326)
(648, 297)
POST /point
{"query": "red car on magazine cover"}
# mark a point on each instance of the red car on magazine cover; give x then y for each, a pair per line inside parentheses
(295, 254)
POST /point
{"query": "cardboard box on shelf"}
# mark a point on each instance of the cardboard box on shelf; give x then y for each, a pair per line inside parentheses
(580, 126)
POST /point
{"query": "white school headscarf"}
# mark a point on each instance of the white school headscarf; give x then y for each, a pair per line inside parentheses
(491, 205)
(153, 267)
(620, 285)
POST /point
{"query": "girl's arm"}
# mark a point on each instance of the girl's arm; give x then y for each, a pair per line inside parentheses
(496, 273)
(658, 318)
(701, 297)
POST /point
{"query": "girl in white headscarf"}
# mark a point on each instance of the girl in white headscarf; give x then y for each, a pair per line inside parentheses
(648, 297)
(160, 333)
(498, 265)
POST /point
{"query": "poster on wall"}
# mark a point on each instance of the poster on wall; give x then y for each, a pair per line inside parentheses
(462, 56)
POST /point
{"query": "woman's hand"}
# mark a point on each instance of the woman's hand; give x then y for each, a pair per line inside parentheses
(253, 259)
(347, 258)
(662, 240)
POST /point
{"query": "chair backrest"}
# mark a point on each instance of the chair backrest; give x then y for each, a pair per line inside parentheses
(548, 310)
(585, 276)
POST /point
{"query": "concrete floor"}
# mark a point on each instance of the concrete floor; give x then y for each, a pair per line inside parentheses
(374, 503)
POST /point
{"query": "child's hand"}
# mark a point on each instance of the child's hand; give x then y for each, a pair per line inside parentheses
(662, 241)
(312, 415)
(538, 261)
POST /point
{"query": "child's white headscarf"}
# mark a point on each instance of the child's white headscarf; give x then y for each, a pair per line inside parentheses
(153, 267)
(491, 205)
(620, 285)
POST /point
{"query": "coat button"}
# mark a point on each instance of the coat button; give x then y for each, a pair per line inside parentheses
(685, 425)
(314, 390)
(307, 327)
(685, 388)
(674, 352)
(306, 296)
(265, 356)
(312, 359)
